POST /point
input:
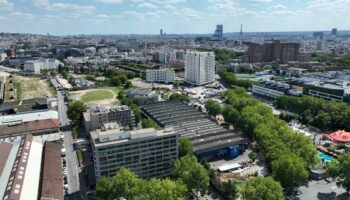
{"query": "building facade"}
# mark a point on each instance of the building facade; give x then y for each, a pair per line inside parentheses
(219, 32)
(160, 75)
(35, 66)
(147, 152)
(199, 67)
(96, 117)
(273, 51)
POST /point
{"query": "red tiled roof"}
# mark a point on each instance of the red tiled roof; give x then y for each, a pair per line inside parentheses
(51, 177)
(29, 127)
(5, 149)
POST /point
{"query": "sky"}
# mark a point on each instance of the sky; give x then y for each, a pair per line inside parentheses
(63, 17)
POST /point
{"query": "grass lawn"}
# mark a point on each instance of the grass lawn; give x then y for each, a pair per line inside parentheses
(97, 95)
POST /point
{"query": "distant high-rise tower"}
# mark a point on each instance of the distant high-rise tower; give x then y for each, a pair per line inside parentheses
(218, 34)
(241, 36)
(334, 31)
(161, 32)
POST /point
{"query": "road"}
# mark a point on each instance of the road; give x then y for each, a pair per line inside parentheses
(72, 162)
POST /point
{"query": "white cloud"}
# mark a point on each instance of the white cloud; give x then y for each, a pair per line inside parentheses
(5, 5)
(188, 13)
(111, 1)
(147, 5)
(168, 1)
(75, 9)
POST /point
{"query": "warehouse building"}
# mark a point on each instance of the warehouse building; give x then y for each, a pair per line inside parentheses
(209, 139)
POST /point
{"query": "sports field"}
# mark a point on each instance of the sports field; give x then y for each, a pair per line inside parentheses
(101, 96)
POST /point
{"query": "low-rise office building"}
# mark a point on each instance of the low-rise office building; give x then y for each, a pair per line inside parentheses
(95, 117)
(147, 152)
(160, 75)
(270, 89)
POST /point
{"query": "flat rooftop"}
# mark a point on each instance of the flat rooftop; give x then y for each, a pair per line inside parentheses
(199, 128)
(115, 135)
(51, 173)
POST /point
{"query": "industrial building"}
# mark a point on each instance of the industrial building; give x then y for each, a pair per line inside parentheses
(26, 167)
(208, 138)
(147, 152)
(199, 67)
(160, 75)
(95, 117)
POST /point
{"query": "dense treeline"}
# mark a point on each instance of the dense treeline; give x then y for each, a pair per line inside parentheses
(289, 152)
(333, 60)
(126, 184)
(222, 55)
(230, 79)
(328, 115)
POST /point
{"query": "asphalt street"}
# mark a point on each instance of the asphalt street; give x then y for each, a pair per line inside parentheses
(71, 157)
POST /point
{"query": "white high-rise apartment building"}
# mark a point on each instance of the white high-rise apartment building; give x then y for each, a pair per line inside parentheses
(199, 67)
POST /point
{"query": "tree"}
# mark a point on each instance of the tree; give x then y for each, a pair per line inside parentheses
(185, 147)
(231, 115)
(192, 173)
(127, 85)
(166, 189)
(121, 94)
(259, 188)
(104, 188)
(252, 156)
(176, 84)
(229, 189)
(148, 123)
(179, 97)
(75, 112)
(289, 170)
(340, 171)
(213, 107)
(137, 112)
(130, 75)
(125, 184)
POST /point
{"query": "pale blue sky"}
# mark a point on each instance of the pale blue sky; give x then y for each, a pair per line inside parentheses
(173, 16)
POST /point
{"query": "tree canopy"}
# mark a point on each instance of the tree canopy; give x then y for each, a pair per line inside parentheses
(213, 107)
(276, 139)
(192, 173)
(315, 111)
(185, 147)
(340, 171)
(259, 188)
(179, 97)
(148, 123)
(126, 184)
(75, 112)
(230, 79)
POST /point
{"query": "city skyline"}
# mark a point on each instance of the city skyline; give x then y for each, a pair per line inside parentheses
(63, 17)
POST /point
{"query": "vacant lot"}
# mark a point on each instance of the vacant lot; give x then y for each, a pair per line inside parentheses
(29, 87)
(101, 96)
